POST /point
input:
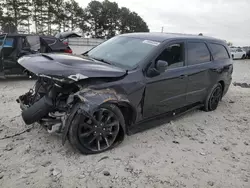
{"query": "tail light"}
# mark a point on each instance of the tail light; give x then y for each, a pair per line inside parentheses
(68, 51)
(66, 43)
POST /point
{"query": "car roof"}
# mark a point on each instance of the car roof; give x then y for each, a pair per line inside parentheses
(160, 37)
(25, 35)
(18, 35)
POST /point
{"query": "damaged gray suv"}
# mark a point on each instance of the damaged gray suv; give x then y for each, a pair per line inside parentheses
(97, 98)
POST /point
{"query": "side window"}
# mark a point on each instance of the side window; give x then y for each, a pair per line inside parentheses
(219, 52)
(25, 43)
(198, 53)
(239, 50)
(174, 55)
(34, 42)
(9, 43)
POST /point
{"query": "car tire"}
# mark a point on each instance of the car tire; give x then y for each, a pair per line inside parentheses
(213, 98)
(100, 134)
(232, 56)
(244, 56)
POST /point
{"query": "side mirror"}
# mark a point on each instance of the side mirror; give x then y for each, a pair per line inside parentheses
(161, 66)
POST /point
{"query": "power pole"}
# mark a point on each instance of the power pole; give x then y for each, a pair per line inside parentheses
(162, 29)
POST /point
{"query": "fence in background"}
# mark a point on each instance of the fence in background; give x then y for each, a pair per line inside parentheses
(81, 45)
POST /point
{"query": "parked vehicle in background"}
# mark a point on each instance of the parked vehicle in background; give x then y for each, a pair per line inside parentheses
(237, 53)
(248, 54)
(95, 99)
(14, 46)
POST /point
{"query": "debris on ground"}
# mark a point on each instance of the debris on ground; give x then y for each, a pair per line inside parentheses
(106, 173)
(30, 171)
(243, 85)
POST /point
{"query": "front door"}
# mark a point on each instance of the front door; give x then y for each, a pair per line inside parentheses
(2, 41)
(167, 91)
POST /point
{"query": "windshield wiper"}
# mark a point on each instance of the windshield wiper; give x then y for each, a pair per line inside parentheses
(102, 60)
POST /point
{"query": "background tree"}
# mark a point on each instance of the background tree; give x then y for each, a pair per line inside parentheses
(39, 15)
(136, 24)
(109, 18)
(59, 15)
(1, 15)
(94, 18)
(25, 15)
(124, 16)
(99, 19)
(16, 12)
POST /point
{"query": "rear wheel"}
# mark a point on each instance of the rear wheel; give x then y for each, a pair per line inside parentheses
(99, 133)
(213, 98)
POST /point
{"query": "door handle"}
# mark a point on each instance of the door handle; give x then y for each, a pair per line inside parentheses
(182, 76)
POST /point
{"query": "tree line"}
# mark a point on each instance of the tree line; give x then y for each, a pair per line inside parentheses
(99, 19)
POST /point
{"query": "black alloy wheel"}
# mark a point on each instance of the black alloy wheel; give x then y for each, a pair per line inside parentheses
(91, 135)
(100, 132)
(213, 98)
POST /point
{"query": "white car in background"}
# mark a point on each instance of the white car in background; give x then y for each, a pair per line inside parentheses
(238, 53)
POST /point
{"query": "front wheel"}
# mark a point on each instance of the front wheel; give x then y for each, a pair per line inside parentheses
(243, 57)
(213, 98)
(99, 133)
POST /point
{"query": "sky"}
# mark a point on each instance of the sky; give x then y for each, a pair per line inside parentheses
(225, 19)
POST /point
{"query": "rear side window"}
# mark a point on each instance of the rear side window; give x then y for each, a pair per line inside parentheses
(219, 52)
(198, 53)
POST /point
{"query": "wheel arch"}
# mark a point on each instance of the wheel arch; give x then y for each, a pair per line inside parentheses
(89, 100)
(128, 112)
(222, 83)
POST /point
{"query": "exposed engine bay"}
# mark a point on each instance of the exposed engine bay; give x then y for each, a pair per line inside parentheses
(47, 103)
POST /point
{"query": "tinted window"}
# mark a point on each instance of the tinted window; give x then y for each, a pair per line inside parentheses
(173, 54)
(198, 53)
(8, 43)
(219, 52)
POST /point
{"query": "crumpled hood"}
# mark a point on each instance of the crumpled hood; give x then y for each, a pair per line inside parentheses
(69, 66)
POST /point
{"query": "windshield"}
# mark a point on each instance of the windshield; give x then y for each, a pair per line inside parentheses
(123, 51)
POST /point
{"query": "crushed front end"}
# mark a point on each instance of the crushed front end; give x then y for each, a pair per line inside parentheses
(46, 103)
(73, 96)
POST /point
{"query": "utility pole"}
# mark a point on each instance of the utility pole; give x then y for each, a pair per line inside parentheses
(162, 29)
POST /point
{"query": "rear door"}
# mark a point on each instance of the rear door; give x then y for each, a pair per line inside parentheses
(2, 41)
(199, 61)
(11, 50)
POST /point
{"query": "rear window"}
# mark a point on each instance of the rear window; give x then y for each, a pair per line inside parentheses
(219, 51)
(34, 42)
(198, 53)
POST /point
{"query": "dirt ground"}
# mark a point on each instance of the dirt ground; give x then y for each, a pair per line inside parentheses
(198, 150)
